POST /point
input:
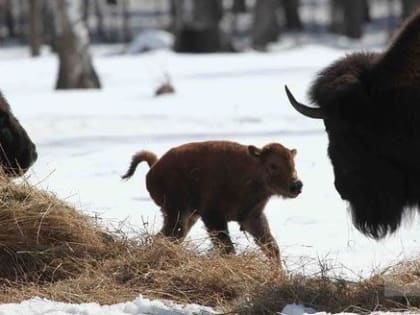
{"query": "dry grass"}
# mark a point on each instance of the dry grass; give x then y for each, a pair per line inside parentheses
(49, 249)
(329, 295)
(42, 238)
(166, 87)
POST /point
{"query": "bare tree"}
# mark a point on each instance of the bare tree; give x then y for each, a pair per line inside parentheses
(10, 19)
(35, 26)
(348, 17)
(76, 69)
(85, 11)
(291, 14)
(197, 26)
(354, 16)
(366, 11)
(126, 30)
(265, 27)
(100, 24)
(239, 6)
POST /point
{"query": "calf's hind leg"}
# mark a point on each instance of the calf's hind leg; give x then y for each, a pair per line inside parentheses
(217, 228)
(177, 224)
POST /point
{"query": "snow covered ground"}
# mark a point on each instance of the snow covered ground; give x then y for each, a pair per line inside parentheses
(85, 141)
(140, 306)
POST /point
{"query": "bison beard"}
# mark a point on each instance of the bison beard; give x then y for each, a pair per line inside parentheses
(374, 186)
(370, 104)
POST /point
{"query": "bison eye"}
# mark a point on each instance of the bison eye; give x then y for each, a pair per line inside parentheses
(273, 166)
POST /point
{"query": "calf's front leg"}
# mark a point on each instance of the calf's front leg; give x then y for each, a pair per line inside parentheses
(257, 226)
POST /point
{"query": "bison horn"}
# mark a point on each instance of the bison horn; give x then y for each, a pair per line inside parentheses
(303, 109)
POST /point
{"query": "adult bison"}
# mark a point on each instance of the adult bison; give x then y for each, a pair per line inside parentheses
(17, 152)
(370, 105)
(220, 181)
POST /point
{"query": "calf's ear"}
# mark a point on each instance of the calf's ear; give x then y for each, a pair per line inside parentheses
(254, 151)
(293, 152)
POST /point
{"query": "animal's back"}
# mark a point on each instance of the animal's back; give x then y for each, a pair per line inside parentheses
(191, 172)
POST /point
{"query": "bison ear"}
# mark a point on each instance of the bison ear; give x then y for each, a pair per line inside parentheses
(254, 151)
(293, 152)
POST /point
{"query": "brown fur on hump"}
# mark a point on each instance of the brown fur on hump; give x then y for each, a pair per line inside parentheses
(343, 79)
(359, 74)
(400, 63)
(4, 105)
(140, 156)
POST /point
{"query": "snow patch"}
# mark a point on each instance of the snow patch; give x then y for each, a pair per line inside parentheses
(140, 306)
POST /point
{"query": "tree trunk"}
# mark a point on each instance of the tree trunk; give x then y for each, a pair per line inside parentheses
(347, 17)
(408, 7)
(48, 25)
(353, 18)
(10, 20)
(197, 26)
(100, 24)
(265, 27)
(85, 11)
(126, 31)
(366, 11)
(239, 6)
(76, 69)
(35, 29)
(291, 13)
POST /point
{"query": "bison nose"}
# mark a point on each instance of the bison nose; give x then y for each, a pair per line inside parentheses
(296, 187)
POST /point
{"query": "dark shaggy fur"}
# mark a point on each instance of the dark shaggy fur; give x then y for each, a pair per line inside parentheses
(371, 108)
(17, 152)
(220, 181)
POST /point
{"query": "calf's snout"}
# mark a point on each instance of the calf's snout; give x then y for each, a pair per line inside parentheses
(296, 187)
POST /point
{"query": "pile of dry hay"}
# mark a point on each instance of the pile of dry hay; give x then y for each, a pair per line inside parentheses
(49, 249)
(332, 296)
(41, 237)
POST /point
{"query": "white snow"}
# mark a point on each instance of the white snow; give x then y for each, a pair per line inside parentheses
(85, 141)
(152, 39)
(295, 309)
(140, 306)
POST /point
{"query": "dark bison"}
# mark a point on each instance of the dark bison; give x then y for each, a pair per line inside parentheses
(17, 152)
(220, 181)
(370, 105)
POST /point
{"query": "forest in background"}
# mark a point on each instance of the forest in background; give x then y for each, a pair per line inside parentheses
(197, 26)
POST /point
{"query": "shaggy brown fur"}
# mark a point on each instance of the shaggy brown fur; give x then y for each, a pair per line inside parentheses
(370, 106)
(141, 156)
(220, 181)
(17, 151)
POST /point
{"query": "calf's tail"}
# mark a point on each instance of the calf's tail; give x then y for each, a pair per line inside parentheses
(141, 156)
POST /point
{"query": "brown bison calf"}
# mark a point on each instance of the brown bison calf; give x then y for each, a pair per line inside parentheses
(220, 181)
